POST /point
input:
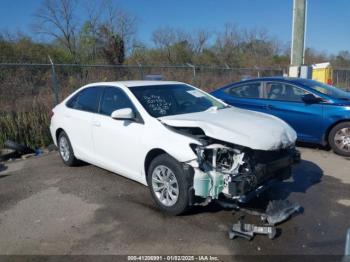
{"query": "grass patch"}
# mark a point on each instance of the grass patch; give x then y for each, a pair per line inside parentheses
(29, 128)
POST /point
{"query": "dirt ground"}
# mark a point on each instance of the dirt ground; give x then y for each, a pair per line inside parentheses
(48, 208)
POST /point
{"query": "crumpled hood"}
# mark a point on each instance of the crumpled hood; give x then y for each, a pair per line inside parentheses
(238, 126)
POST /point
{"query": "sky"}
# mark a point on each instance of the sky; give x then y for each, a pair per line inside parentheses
(328, 21)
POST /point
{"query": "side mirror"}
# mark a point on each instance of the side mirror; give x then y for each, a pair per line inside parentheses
(123, 114)
(311, 99)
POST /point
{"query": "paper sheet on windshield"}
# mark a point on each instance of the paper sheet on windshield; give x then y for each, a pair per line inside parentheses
(195, 93)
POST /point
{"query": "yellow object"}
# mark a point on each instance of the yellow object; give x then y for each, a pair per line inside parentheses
(323, 73)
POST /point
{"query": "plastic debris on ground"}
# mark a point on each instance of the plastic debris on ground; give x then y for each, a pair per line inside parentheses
(280, 210)
(248, 231)
(276, 212)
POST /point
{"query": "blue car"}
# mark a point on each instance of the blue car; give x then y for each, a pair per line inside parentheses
(319, 113)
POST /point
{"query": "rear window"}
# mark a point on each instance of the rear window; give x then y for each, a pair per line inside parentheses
(249, 90)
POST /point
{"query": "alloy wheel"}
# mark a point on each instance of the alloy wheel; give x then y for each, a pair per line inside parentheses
(64, 148)
(342, 139)
(165, 185)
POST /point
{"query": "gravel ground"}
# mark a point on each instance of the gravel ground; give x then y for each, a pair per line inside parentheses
(48, 208)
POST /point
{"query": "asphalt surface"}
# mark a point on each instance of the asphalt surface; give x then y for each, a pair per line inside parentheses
(48, 208)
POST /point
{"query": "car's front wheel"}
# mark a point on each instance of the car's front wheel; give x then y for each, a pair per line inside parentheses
(339, 139)
(168, 184)
(65, 149)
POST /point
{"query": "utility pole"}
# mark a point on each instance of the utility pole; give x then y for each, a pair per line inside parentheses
(298, 33)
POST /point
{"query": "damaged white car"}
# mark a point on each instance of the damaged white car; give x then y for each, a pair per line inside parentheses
(186, 145)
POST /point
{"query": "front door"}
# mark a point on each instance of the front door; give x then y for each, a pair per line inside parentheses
(285, 101)
(116, 142)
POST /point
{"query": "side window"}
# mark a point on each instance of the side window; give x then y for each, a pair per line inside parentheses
(86, 100)
(114, 99)
(284, 92)
(249, 90)
(72, 102)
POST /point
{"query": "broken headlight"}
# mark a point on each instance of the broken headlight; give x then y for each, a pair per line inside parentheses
(219, 157)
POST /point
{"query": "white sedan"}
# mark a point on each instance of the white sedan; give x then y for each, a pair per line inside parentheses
(183, 143)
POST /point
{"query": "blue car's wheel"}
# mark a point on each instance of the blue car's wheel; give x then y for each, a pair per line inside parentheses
(339, 139)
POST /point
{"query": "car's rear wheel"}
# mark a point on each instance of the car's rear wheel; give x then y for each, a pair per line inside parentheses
(65, 149)
(168, 184)
(339, 139)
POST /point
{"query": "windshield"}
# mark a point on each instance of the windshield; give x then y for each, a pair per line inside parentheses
(326, 89)
(166, 100)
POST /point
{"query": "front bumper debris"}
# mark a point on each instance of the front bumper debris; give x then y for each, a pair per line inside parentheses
(238, 173)
(248, 231)
(280, 210)
(276, 212)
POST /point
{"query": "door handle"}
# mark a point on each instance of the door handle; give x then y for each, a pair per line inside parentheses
(96, 123)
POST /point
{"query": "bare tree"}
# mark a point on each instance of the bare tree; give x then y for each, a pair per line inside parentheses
(227, 45)
(165, 38)
(90, 31)
(120, 22)
(313, 56)
(56, 18)
(199, 40)
(126, 26)
(230, 37)
(95, 11)
(259, 47)
(108, 31)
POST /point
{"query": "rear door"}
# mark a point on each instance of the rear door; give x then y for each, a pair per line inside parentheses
(285, 101)
(247, 96)
(78, 119)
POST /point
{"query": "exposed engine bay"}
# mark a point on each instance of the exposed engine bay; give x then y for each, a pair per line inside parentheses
(222, 168)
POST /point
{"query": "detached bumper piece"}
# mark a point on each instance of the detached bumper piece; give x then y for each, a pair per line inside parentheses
(280, 210)
(277, 211)
(248, 231)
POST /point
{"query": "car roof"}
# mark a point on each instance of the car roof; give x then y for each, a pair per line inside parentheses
(135, 83)
(270, 78)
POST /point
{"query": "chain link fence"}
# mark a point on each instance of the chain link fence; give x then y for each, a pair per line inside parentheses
(341, 78)
(24, 86)
(29, 91)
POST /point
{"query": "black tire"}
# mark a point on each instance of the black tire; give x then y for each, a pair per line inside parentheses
(332, 139)
(71, 160)
(182, 203)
